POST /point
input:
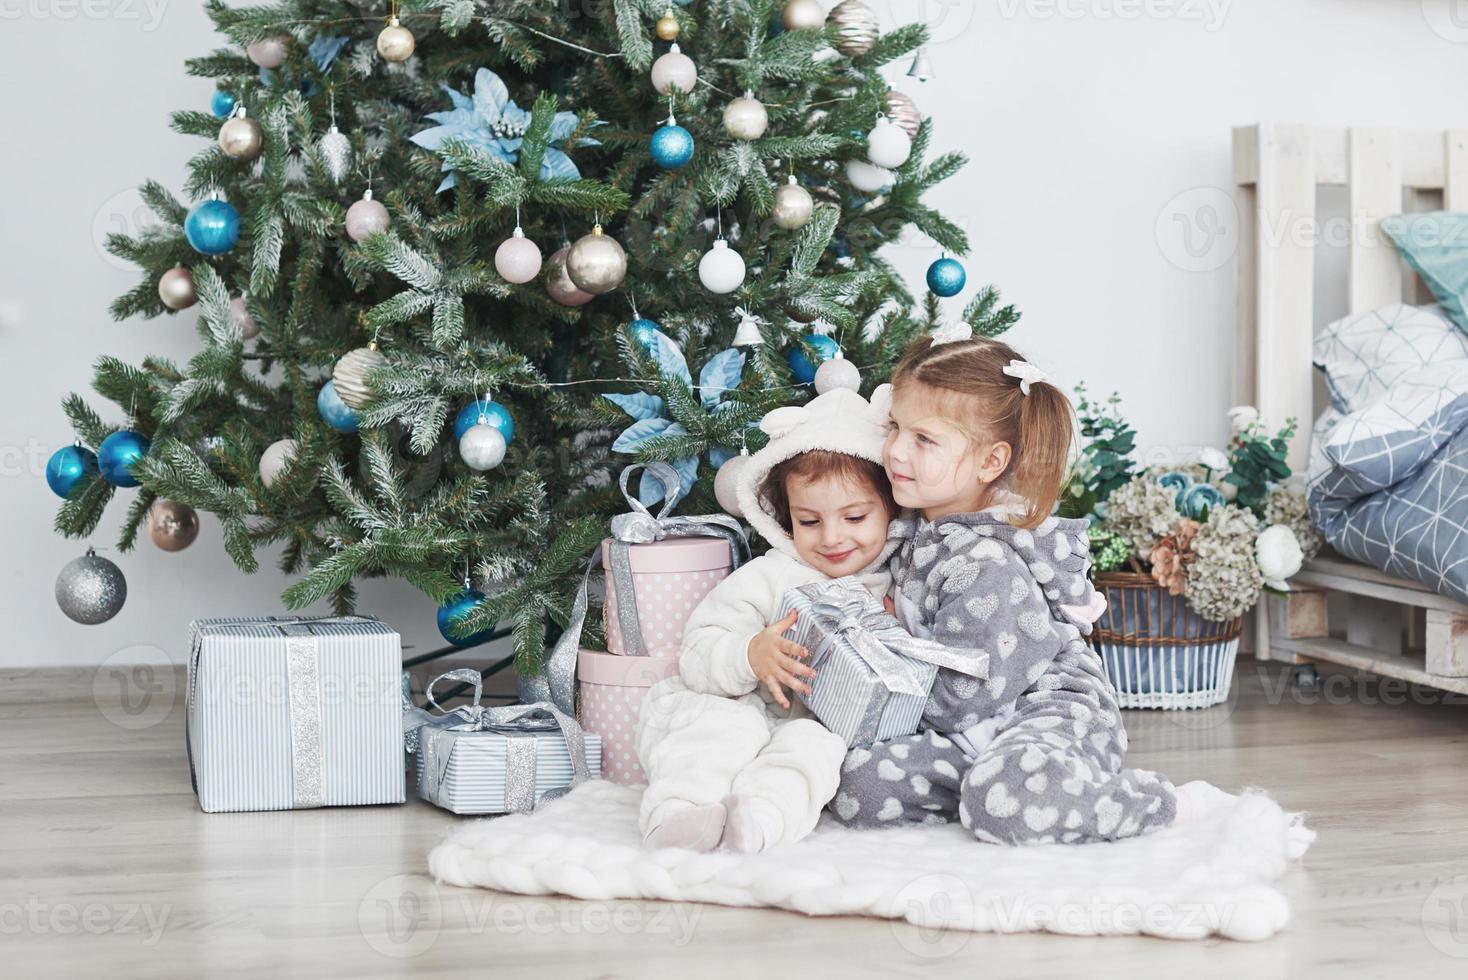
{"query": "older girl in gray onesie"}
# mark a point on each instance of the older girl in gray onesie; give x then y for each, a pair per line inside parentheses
(978, 447)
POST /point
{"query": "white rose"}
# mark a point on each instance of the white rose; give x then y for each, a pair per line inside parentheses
(1278, 554)
(1242, 417)
(1214, 459)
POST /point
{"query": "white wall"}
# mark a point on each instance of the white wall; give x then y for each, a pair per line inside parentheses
(1099, 130)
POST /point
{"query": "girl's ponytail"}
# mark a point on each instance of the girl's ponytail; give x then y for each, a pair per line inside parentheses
(1042, 447)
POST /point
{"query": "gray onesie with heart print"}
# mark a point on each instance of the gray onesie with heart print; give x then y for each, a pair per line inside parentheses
(1034, 753)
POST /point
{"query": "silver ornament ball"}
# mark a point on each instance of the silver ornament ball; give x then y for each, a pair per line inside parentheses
(176, 288)
(241, 137)
(837, 372)
(350, 375)
(596, 263)
(90, 589)
(745, 118)
(366, 218)
(239, 315)
(558, 284)
(904, 111)
(274, 459)
(856, 27)
(482, 447)
(726, 484)
(793, 206)
(803, 15)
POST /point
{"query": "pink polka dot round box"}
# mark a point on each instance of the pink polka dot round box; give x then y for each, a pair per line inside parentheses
(611, 692)
(653, 588)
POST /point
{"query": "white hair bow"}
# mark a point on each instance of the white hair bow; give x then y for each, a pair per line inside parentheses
(1027, 374)
(951, 332)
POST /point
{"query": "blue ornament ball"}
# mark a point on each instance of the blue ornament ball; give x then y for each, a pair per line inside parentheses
(335, 412)
(222, 104)
(800, 365)
(672, 146)
(455, 610)
(645, 331)
(118, 453)
(493, 413)
(66, 468)
(946, 277)
(212, 227)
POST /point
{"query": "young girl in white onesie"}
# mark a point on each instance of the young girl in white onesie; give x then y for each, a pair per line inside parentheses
(732, 760)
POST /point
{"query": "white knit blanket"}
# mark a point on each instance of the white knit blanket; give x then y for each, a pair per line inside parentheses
(1215, 877)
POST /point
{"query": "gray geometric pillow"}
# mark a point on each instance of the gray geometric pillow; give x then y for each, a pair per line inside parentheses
(1364, 354)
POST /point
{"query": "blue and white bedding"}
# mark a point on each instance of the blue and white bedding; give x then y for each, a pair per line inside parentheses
(1389, 458)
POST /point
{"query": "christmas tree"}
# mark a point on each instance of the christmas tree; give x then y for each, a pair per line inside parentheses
(371, 206)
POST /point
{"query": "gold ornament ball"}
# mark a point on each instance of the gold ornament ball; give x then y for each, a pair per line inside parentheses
(803, 15)
(793, 206)
(902, 110)
(596, 263)
(558, 284)
(667, 27)
(396, 42)
(172, 526)
(856, 27)
(241, 138)
(350, 375)
(176, 288)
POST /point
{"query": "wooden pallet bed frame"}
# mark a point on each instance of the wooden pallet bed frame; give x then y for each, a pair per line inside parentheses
(1338, 611)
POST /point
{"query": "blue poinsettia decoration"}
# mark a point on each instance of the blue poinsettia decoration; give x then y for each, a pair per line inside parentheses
(650, 413)
(492, 121)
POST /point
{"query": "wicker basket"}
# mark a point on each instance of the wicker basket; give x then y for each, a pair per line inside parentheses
(1158, 652)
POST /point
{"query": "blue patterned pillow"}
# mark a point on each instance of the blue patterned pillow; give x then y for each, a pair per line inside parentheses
(1398, 380)
(1435, 243)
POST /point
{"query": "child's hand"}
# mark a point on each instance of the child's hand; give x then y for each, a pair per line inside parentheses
(773, 657)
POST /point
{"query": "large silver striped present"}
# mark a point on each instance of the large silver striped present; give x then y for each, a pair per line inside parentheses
(289, 713)
(872, 677)
(477, 759)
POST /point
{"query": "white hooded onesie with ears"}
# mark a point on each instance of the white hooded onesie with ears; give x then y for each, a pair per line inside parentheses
(713, 731)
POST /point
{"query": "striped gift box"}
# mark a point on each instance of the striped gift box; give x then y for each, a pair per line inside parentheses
(288, 713)
(846, 695)
(474, 779)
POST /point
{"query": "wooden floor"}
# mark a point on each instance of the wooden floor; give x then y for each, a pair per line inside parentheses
(107, 865)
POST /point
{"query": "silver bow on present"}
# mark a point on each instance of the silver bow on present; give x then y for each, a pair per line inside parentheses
(434, 736)
(637, 526)
(844, 608)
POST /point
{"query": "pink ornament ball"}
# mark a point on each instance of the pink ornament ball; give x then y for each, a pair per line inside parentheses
(267, 52)
(366, 218)
(517, 259)
(558, 282)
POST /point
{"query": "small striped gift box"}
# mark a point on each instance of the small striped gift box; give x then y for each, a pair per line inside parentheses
(849, 695)
(475, 780)
(289, 713)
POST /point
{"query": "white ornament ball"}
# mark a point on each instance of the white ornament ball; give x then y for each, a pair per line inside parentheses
(726, 483)
(239, 315)
(867, 177)
(482, 447)
(274, 459)
(803, 15)
(888, 145)
(721, 270)
(518, 258)
(267, 52)
(350, 375)
(793, 206)
(176, 288)
(745, 118)
(837, 372)
(366, 218)
(674, 70)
